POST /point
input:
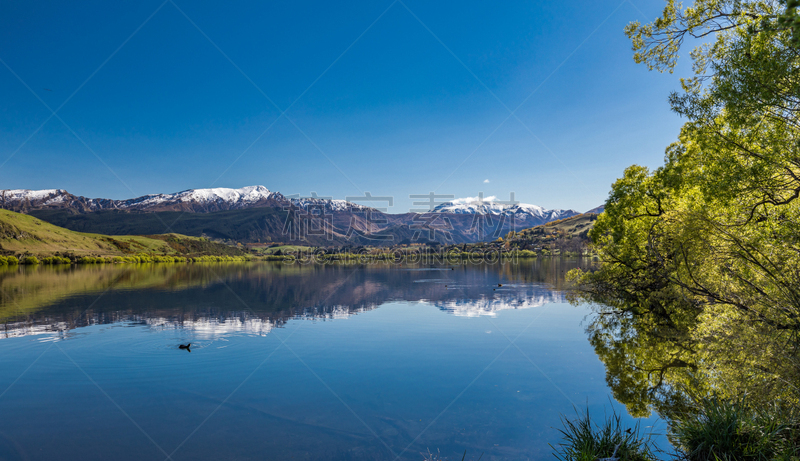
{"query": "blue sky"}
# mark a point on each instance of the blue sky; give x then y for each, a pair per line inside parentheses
(392, 98)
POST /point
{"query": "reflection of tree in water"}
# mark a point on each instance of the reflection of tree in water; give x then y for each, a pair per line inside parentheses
(256, 297)
(650, 361)
(664, 356)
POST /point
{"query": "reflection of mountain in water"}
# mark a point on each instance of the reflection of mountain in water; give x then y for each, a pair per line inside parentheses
(216, 300)
(214, 328)
(535, 297)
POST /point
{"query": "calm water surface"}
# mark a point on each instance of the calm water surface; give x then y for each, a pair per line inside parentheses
(355, 362)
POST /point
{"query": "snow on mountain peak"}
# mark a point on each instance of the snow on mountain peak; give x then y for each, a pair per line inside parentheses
(44, 196)
(327, 203)
(491, 206)
(488, 205)
(21, 194)
(471, 205)
(221, 198)
(244, 195)
(473, 200)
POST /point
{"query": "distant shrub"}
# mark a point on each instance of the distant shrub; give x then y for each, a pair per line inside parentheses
(215, 259)
(56, 260)
(92, 260)
(278, 257)
(12, 260)
(29, 260)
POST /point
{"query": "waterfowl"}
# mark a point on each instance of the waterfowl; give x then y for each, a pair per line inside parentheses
(187, 347)
(499, 284)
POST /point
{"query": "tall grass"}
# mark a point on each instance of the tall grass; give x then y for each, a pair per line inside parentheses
(713, 430)
(583, 440)
(720, 430)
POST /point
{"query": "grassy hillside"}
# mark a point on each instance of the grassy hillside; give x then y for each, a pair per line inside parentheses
(569, 234)
(24, 234)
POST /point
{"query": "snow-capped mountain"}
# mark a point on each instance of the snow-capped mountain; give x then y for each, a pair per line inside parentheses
(189, 200)
(205, 200)
(44, 196)
(192, 200)
(221, 199)
(326, 205)
(256, 214)
(490, 206)
(234, 197)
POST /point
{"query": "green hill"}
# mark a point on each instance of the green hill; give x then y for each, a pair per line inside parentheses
(568, 234)
(24, 234)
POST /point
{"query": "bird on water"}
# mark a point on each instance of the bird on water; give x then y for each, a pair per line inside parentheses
(187, 347)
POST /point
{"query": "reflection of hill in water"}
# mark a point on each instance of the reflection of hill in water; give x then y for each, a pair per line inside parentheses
(214, 300)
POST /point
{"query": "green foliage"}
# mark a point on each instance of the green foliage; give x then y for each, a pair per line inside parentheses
(276, 257)
(92, 260)
(583, 440)
(31, 260)
(790, 20)
(189, 246)
(217, 259)
(8, 260)
(701, 257)
(657, 44)
(145, 258)
(732, 430)
(53, 260)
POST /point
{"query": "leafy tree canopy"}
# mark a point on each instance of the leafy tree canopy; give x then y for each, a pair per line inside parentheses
(710, 242)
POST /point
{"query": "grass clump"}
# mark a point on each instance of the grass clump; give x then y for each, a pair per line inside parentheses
(583, 440)
(721, 430)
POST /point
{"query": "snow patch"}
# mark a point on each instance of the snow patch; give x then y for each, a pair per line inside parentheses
(245, 195)
(490, 205)
(22, 194)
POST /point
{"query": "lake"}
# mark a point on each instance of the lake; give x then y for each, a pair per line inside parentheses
(289, 361)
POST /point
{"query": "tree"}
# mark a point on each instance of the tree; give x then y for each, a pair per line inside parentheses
(714, 234)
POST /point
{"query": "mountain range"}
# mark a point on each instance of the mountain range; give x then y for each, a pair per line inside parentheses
(256, 214)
